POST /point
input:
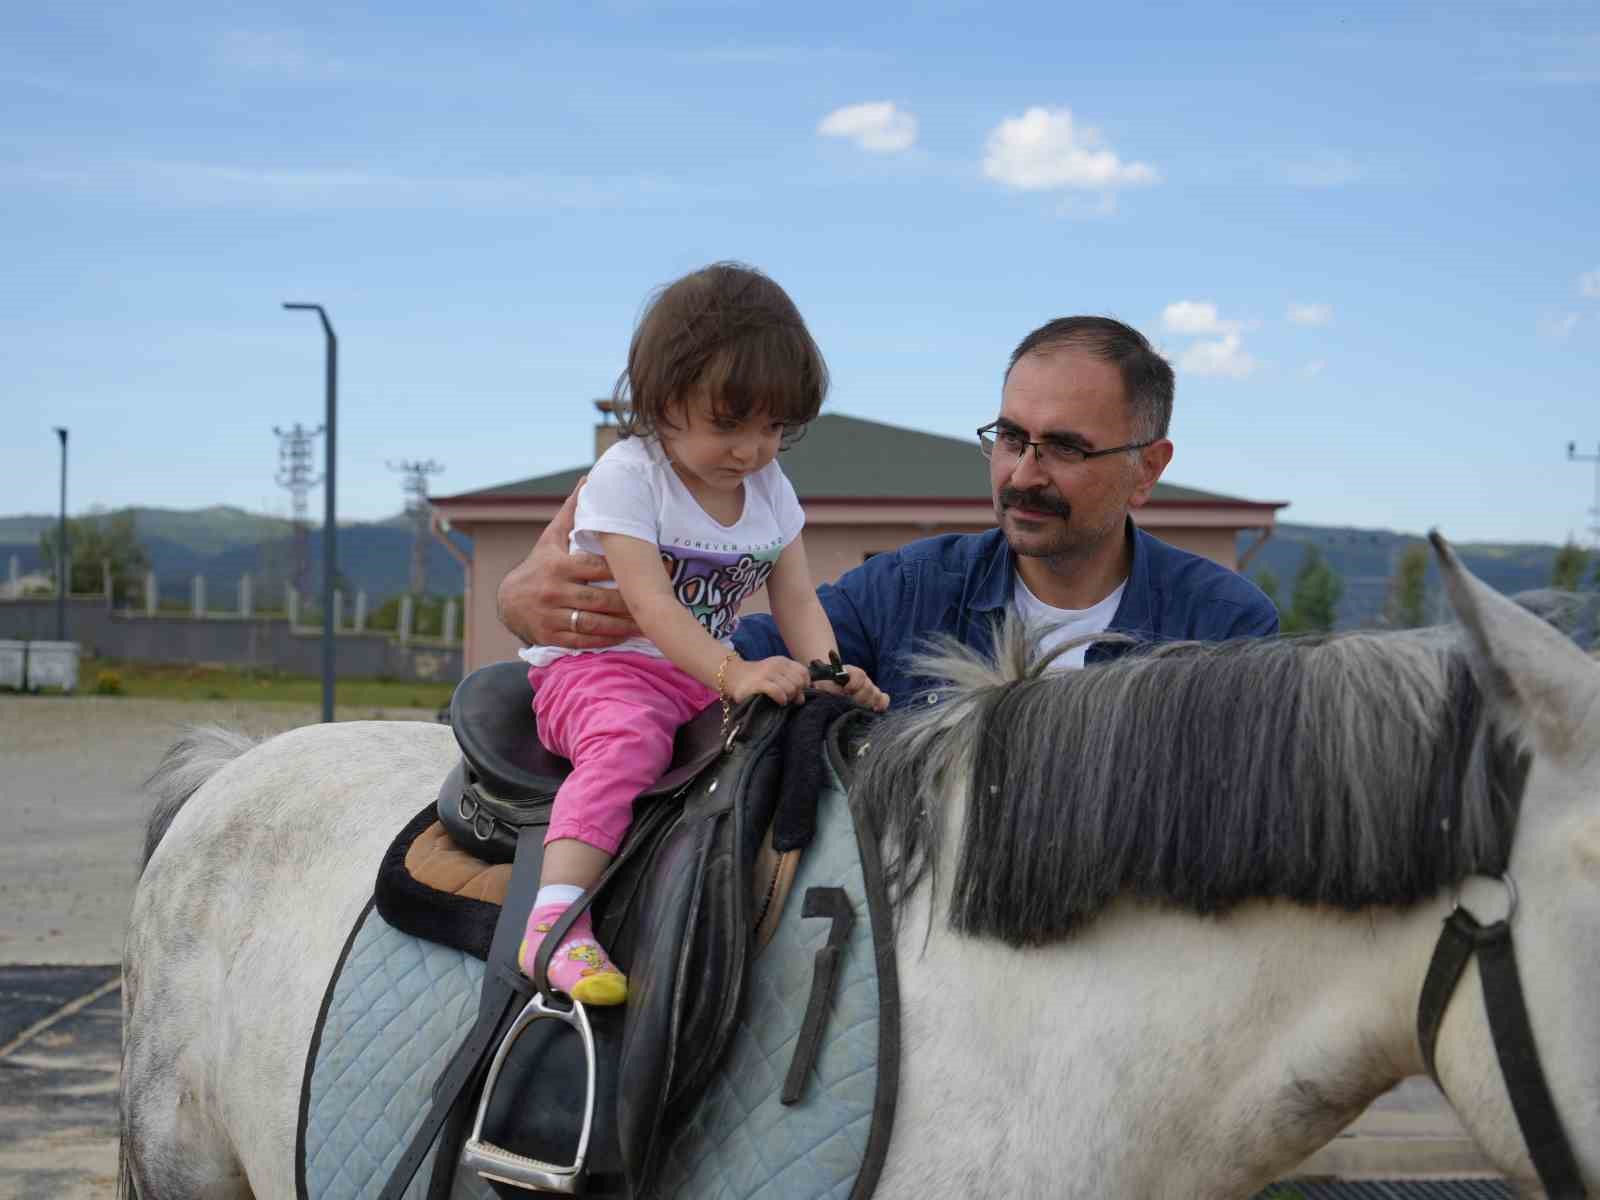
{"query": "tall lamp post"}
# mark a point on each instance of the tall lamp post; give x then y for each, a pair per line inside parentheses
(329, 557)
(63, 581)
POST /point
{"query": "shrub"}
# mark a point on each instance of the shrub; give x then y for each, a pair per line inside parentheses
(108, 683)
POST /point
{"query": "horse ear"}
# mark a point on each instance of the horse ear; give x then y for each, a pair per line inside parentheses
(1529, 669)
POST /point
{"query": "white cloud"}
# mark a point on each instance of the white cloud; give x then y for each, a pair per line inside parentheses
(1315, 367)
(1330, 169)
(877, 126)
(1197, 317)
(1589, 284)
(1224, 356)
(1559, 327)
(1310, 314)
(1045, 148)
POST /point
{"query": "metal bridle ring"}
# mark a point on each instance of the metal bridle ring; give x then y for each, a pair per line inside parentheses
(1511, 897)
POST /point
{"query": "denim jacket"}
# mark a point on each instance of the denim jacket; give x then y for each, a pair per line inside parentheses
(960, 584)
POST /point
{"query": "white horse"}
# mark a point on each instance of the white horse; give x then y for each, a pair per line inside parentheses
(1272, 834)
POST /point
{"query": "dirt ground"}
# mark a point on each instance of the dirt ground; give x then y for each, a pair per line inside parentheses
(72, 819)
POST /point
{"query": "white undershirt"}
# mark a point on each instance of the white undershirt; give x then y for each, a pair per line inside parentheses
(1053, 626)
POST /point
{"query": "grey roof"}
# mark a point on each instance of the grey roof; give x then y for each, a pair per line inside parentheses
(853, 458)
(1388, 1189)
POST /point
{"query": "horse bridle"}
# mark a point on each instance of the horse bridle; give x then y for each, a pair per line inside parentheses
(1508, 1025)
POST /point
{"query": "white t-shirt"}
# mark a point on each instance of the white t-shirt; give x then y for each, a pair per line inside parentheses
(714, 568)
(1054, 626)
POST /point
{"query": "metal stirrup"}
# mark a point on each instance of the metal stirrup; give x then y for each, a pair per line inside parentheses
(496, 1163)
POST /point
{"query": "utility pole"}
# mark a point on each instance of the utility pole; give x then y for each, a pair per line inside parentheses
(294, 473)
(415, 486)
(330, 539)
(63, 564)
(1594, 512)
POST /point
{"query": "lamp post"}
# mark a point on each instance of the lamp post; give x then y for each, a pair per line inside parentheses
(63, 581)
(329, 557)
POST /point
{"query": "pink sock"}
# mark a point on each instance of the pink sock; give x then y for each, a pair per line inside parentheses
(580, 967)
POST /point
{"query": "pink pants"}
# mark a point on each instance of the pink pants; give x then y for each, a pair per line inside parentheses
(614, 715)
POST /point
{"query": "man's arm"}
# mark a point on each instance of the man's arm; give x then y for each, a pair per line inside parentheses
(537, 598)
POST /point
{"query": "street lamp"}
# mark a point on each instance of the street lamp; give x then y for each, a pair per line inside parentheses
(329, 558)
(63, 582)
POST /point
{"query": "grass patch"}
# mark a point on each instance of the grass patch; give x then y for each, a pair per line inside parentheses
(200, 681)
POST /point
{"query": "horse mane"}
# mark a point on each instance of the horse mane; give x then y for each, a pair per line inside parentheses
(1352, 770)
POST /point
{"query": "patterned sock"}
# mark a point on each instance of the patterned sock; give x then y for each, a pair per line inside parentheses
(580, 967)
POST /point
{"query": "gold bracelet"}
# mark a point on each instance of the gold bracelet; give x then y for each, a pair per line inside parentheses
(722, 688)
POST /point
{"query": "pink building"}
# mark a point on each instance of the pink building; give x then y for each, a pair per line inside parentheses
(866, 487)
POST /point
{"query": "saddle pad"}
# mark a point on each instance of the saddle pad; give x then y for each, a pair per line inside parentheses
(398, 1005)
(393, 1014)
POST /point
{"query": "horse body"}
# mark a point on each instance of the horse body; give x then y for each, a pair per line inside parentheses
(1155, 1052)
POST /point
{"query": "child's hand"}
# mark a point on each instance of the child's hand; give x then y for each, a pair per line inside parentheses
(860, 689)
(780, 679)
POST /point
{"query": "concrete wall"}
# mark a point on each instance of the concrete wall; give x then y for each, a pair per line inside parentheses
(230, 641)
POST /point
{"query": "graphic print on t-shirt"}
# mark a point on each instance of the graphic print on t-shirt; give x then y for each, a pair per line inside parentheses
(712, 583)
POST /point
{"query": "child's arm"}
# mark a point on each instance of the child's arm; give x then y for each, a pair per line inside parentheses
(636, 566)
(804, 626)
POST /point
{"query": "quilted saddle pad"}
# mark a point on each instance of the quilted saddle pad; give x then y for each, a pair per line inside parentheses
(397, 1006)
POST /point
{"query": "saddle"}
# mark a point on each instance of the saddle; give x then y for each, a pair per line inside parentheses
(675, 911)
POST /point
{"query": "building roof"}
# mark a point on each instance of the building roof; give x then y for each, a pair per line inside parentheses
(852, 458)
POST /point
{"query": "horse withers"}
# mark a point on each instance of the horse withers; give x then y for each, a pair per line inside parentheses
(1164, 923)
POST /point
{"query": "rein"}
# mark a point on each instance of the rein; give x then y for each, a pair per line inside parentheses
(1513, 1036)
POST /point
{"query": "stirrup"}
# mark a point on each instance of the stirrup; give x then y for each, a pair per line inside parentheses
(501, 1165)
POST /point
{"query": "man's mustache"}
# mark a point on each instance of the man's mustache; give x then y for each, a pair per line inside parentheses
(1034, 499)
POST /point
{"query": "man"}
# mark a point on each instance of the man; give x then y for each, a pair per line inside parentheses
(1080, 440)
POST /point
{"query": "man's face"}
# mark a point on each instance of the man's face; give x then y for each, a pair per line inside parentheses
(1069, 511)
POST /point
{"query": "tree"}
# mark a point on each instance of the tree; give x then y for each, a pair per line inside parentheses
(1268, 583)
(95, 539)
(1567, 573)
(1407, 606)
(1315, 600)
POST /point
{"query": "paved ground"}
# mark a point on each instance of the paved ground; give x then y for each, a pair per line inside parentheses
(73, 821)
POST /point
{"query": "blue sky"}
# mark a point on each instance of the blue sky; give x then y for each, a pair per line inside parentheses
(1367, 235)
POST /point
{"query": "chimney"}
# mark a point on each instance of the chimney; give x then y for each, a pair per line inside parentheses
(605, 433)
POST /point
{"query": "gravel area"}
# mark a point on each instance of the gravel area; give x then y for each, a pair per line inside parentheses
(73, 814)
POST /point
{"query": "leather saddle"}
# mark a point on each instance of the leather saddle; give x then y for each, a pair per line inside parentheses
(507, 779)
(589, 1099)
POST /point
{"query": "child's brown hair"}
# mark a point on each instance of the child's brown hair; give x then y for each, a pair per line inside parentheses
(733, 331)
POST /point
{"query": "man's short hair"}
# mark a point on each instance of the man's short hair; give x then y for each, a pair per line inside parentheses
(1146, 376)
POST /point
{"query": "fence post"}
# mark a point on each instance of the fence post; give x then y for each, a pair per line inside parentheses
(406, 604)
(247, 599)
(152, 599)
(338, 609)
(105, 581)
(291, 596)
(361, 610)
(199, 599)
(449, 630)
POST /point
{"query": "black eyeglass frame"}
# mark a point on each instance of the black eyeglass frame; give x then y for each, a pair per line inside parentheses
(988, 450)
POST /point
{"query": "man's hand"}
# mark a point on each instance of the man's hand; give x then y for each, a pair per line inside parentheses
(860, 689)
(537, 599)
(780, 679)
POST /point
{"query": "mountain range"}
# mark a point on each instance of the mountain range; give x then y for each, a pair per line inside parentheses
(222, 543)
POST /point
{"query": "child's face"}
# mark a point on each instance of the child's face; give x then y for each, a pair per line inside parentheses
(717, 450)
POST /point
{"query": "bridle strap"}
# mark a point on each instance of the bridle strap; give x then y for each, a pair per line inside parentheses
(1513, 1040)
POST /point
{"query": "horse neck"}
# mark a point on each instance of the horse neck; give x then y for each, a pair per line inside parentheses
(1154, 1038)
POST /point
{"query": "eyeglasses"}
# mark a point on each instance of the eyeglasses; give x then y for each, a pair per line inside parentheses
(1010, 444)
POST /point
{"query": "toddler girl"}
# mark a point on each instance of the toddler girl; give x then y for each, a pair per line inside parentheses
(693, 515)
